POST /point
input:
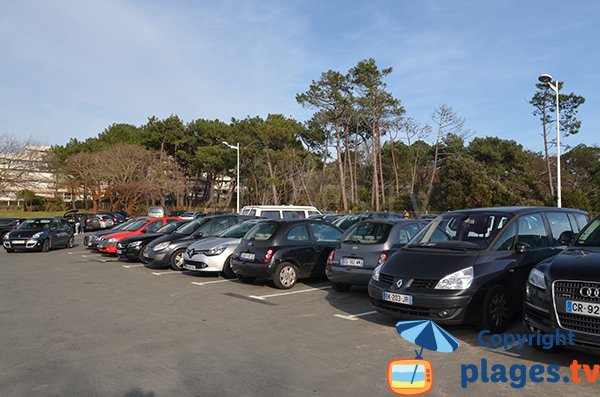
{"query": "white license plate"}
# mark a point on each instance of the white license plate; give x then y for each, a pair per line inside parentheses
(119, 252)
(189, 267)
(18, 242)
(584, 308)
(398, 298)
(247, 255)
(352, 262)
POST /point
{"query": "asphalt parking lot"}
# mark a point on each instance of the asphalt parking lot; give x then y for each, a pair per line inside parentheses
(76, 323)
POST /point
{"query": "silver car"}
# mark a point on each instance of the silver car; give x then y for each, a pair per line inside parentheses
(212, 255)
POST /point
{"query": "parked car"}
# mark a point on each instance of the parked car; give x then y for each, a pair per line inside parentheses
(285, 251)
(157, 212)
(471, 266)
(280, 211)
(213, 254)
(348, 220)
(9, 224)
(131, 248)
(108, 244)
(106, 221)
(91, 240)
(169, 250)
(563, 292)
(190, 215)
(326, 217)
(39, 234)
(364, 246)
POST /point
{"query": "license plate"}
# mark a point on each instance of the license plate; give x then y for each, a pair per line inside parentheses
(119, 252)
(352, 262)
(584, 308)
(398, 298)
(18, 242)
(189, 267)
(247, 255)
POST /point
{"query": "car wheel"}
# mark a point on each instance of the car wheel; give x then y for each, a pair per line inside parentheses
(9, 250)
(496, 311)
(70, 242)
(227, 270)
(245, 279)
(141, 253)
(340, 287)
(177, 260)
(285, 276)
(46, 245)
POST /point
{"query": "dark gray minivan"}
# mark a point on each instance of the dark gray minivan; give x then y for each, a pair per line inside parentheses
(471, 266)
(364, 246)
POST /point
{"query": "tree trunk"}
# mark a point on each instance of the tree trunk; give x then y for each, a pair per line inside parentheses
(375, 170)
(341, 172)
(272, 176)
(395, 166)
(433, 171)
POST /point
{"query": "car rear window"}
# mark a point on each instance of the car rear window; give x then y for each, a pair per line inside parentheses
(262, 231)
(368, 233)
(293, 215)
(271, 214)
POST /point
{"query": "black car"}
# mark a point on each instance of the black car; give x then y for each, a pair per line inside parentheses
(91, 240)
(40, 234)
(364, 246)
(346, 221)
(8, 225)
(285, 251)
(471, 266)
(169, 250)
(563, 292)
(131, 248)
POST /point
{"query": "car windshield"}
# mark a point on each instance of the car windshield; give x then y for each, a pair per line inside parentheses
(188, 215)
(590, 237)
(189, 228)
(368, 233)
(262, 231)
(470, 230)
(135, 225)
(34, 224)
(346, 221)
(169, 227)
(237, 231)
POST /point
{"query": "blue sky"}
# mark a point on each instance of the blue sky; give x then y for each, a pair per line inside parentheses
(71, 68)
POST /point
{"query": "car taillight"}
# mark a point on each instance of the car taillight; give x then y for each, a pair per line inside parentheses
(382, 258)
(330, 257)
(268, 255)
(114, 219)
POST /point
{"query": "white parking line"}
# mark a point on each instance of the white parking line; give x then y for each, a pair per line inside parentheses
(161, 273)
(264, 297)
(353, 317)
(211, 282)
(130, 266)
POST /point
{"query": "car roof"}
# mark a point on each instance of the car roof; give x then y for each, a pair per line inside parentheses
(516, 210)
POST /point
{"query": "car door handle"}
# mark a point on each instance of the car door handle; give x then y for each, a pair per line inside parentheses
(511, 267)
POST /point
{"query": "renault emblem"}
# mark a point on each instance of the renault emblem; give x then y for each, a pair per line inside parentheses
(398, 283)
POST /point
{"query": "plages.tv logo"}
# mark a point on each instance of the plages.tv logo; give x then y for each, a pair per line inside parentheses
(411, 377)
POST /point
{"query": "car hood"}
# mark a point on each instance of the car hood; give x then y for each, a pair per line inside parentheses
(26, 233)
(121, 235)
(211, 242)
(142, 237)
(428, 263)
(576, 264)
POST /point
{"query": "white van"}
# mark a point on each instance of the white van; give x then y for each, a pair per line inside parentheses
(280, 211)
(157, 212)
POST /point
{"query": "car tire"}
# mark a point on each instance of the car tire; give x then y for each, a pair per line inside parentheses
(227, 270)
(70, 242)
(245, 279)
(141, 253)
(285, 275)
(9, 250)
(176, 260)
(46, 245)
(496, 312)
(340, 287)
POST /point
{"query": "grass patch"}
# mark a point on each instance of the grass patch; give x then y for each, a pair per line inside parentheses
(30, 214)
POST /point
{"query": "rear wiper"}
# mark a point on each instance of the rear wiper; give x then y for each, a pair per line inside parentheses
(351, 240)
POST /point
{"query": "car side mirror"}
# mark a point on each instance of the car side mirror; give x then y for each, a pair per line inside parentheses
(143, 231)
(566, 238)
(199, 235)
(521, 248)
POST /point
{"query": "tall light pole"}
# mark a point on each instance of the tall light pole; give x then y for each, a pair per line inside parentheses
(237, 148)
(546, 78)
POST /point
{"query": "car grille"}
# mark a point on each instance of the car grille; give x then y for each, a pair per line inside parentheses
(402, 309)
(569, 290)
(384, 278)
(121, 245)
(423, 284)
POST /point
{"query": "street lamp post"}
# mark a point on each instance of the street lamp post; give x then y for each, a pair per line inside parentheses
(237, 148)
(546, 78)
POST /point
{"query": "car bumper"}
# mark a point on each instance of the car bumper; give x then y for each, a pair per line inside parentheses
(129, 253)
(252, 269)
(152, 258)
(203, 263)
(32, 245)
(348, 275)
(107, 249)
(442, 308)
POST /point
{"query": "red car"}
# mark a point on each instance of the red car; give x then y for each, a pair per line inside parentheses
(108, 244)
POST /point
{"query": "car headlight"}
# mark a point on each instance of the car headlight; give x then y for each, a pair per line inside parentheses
(537, 279)
(216, 250)
(459, 280)
(112, 240)
(37, 235)
(6, 236)
(161, 246)
(135, 244)
(376, 271)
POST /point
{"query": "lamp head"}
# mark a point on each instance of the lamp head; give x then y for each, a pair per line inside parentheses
(545, 78)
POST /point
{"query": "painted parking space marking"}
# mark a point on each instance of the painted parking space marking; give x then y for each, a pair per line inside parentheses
(264, 297)
(354, 317)
(211, 282)
(163, 273)
(250, 299)
(130, 266)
